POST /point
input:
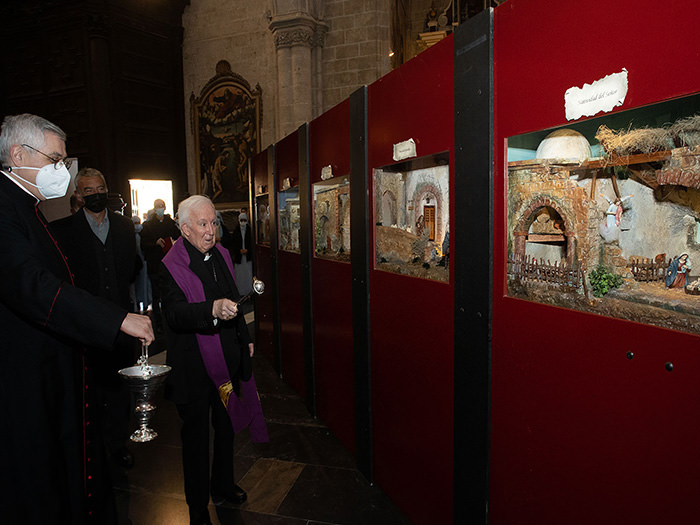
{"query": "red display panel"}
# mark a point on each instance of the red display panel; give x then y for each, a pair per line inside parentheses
(412, 319)
(583, 431)
(329, 145)
(289, 266)
(264, 304)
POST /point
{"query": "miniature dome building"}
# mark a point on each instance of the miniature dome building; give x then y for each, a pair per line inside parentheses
(564, 144)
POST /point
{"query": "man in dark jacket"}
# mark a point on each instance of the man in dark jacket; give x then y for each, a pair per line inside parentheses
(46, 474)
(242, 252)
(209, 350)
(101, 249)
(157, 237)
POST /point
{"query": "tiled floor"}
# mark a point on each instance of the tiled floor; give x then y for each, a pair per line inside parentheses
(303, 476)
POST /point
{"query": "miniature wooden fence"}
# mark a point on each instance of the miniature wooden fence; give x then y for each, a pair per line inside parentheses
(648, 270)
(528, 268)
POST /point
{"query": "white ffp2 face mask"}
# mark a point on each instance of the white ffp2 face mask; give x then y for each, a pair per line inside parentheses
(51, 182)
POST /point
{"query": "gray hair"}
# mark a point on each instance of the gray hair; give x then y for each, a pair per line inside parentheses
(186, 207)
(89, 172)
(25, 129)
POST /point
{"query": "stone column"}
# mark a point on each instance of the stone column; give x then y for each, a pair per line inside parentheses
(301, 84)
(285, 92)
(299, 38)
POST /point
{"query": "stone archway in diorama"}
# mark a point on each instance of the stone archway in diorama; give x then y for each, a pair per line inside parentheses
(419, 195)
(520, 233)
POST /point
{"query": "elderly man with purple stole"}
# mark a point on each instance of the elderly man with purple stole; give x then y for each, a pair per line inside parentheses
(209, 350)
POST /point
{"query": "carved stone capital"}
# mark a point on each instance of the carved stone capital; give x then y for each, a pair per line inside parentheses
(292, 37)
(298, 30)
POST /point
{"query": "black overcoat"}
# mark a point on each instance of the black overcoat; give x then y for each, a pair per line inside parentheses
(44, 321)
(154, 229)
(81, 246)
(103, 270)
(237, 245)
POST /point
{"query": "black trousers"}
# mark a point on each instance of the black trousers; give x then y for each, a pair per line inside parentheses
(157, 318)
(195, 417)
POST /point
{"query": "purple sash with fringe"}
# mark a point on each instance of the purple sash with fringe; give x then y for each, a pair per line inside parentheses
(246, 410)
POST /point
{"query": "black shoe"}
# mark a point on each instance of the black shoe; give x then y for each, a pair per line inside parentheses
(234, 497)
(125, 458)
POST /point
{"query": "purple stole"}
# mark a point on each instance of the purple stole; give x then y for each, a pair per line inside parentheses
(246, 410)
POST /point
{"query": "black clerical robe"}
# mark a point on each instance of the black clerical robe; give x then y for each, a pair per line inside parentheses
(44, 321)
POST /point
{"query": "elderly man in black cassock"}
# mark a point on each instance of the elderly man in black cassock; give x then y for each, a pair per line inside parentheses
(209, 350)
(45, 321)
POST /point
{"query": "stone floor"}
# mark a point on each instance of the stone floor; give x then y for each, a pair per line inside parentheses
(303, 476)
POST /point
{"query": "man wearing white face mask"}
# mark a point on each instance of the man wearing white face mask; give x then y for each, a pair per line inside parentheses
(45, 322)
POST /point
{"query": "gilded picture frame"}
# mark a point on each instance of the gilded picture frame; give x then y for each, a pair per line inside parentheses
(226, 120)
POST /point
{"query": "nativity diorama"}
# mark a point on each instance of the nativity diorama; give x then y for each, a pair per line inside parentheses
(411, 210)
(289, 219)
(332, 219)
(603, 215)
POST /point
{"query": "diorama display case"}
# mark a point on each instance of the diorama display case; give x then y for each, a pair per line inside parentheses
(593, 399)
(288, 216)
(265, 253)
(331, 278)
(411, 315)
(412, 213)
(331, 204)
(603, 215)
(289, 267)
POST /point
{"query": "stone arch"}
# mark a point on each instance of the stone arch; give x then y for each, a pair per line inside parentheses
(527, 217)
(418, 197)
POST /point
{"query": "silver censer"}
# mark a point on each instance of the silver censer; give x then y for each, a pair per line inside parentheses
(144, 380)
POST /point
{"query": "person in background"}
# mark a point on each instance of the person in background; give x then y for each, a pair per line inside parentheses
(209, 350)
(101, 248)
(141, 288)
(47, 474)
(223, 236)
(242, 253)
(157, 237)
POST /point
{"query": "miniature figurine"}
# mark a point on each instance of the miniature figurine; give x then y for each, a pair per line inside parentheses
(614, 211)
(678, 273)
(446, 248)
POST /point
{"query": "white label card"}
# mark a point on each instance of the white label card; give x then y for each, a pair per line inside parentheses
(327, 172)
(600, 96)
(404, 150)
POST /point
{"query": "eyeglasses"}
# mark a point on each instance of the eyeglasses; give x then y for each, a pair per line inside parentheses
(57, 163)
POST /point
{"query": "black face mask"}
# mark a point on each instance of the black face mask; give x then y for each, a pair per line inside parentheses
(96, 202)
